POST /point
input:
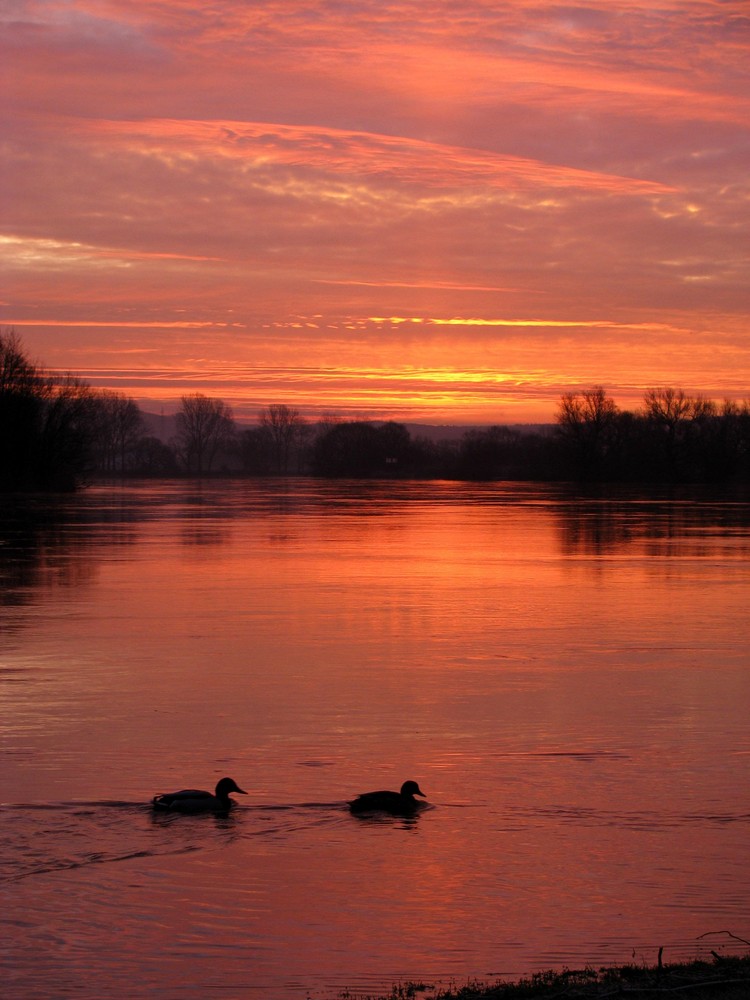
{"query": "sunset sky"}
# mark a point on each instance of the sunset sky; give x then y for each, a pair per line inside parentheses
(429, 210)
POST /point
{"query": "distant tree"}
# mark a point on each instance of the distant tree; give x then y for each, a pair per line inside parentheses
(435, 459)
(327, 422)
(119, 427)
(66, 451)
(361, 448)
(587, 422)
(394, 445)
(494, 453)
(18, 375)
(23, 390)
(284, 426)
(256, 451)
(347, 449)
(306, 433)
(205, 427)
(669, 412)
(46, 424)
(152, 457)
(667, 406)
(713, 445)
(728, 455)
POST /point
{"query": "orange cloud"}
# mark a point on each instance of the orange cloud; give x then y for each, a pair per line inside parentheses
(554, 194)
(357, 153)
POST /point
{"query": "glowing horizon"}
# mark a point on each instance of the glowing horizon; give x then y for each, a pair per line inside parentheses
(446, 217)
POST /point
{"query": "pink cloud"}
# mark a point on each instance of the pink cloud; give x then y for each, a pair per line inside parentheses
(275, 175)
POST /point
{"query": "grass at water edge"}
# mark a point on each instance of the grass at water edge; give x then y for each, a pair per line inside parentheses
(724, 978)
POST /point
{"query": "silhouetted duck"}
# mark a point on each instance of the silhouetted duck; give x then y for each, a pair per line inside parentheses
(191, 800)
(400, 803)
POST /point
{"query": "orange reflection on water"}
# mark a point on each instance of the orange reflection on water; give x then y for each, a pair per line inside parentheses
(564, 676)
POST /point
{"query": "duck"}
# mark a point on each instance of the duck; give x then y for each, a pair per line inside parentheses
(192, 800)
(401, 803)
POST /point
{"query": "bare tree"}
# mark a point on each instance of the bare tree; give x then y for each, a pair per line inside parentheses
(668, 407)
(285, 428)
(205, 427)
(670, 411)
(18, 375)
(67, 433)
(591, 408)
(46, 424)
(24, 389)
(152, 457)
(587, 422)
(255, 450)
(119, 426)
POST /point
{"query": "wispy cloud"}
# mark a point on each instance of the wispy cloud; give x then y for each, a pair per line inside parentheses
(557, 191)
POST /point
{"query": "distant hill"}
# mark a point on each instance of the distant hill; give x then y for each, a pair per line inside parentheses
(160, 425)
(454, 432)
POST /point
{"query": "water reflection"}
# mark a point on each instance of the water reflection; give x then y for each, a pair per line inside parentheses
(654, 526)
(205, 535)
(600, 531)
(566, 673)
(47, 546)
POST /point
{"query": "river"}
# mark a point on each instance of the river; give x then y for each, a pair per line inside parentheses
(565, 673)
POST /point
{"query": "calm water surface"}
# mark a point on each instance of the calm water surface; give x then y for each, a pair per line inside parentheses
(567, 676)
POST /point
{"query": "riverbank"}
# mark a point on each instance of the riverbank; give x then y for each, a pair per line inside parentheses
(724, 978)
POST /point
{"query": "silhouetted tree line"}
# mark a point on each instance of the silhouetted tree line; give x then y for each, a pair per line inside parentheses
(674, 437)
(44, 423)
(56, 433)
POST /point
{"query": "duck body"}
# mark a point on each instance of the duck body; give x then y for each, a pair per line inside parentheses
(194, 800)
(401, 803)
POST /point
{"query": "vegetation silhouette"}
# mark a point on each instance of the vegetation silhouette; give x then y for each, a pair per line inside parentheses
(727, 977)
(46, 424)
(58, 433)
(205, 429)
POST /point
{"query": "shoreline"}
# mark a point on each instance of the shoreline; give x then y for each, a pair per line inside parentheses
(727, 977)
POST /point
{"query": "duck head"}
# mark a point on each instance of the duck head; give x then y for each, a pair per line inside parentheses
(227, 785)
(411, 788)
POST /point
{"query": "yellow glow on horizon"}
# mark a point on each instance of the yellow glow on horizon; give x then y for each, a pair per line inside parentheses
(523, 323)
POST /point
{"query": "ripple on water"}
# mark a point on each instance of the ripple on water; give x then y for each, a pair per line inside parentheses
(40, 839)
